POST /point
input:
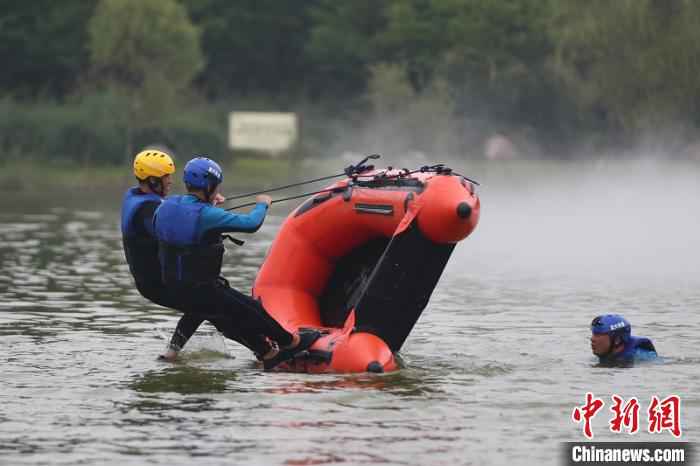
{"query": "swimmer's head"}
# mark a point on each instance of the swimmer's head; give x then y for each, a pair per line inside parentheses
(609, 333)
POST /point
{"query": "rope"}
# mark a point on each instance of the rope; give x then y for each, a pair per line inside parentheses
(279, 188)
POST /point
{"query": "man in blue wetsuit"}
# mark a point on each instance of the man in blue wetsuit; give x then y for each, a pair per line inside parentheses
(153, 169)
(189, 230)
(613, 343)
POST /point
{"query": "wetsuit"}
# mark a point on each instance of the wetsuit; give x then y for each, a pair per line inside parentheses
(141, 251)
(189, 233)
(639, 349)
(636, 349)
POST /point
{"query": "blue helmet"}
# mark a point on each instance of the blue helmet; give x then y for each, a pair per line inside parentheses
(202, 173)
(614, 325)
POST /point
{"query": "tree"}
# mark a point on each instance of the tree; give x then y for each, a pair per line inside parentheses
(252, 46)
(635, 62)
(496, 59)
(43, 45)
(416, 37)
(343, 45)
(491, 55)
(148, 50)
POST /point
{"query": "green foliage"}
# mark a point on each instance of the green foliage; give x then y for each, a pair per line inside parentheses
(496, 56)
(93, 129)
(137, 41)
(189, 133)
(634, 61)
(92, 72)
(61, 131)
(416, 36)
(43, 45)
(252, 46)
(343, 43)
(147, 51)
(413, 120)
(488, 58)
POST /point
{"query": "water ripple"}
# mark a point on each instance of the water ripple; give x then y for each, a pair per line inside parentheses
(494, 366)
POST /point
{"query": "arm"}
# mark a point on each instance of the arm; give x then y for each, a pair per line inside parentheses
(220, 221)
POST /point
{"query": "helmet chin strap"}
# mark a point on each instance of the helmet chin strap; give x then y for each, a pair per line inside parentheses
(615, 340)
(156, 185)
(209, 192)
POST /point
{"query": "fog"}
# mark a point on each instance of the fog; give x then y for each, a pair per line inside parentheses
(595, 217)
(596, 222)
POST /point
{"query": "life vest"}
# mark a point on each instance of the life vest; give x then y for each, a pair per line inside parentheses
(185, 258)
(140, 248)
(636, 345)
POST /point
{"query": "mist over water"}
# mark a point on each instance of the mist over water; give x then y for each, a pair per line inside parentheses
(494, 366)
(610, 221)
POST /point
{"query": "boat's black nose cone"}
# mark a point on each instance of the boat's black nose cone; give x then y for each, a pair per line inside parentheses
(375, 367)
(463, 210)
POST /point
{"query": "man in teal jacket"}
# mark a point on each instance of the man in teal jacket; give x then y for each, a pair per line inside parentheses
(189, 230)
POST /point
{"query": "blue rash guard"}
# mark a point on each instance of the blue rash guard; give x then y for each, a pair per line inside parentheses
(639, 349)
(189, 233)
(215, 221)
(636, 349)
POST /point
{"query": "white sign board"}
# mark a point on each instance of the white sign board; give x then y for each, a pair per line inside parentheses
(262, 131)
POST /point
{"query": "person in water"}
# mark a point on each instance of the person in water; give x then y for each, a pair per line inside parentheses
(189, 230)
(613, 343)
(153, 169)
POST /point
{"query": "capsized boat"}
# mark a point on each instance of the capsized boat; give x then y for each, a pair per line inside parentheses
(360, 260)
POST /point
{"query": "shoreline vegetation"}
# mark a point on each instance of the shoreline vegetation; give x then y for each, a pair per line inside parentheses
(250, 174)
(95, 80)
(49, 176)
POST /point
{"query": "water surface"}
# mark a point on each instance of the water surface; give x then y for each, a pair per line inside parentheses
(493, 368)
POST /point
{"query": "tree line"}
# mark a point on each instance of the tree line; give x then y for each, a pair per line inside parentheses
(556, 70)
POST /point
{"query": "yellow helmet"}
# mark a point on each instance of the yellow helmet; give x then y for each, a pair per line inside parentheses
(153, 163)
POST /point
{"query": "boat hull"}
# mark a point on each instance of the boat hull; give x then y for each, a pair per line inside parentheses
(360, 263)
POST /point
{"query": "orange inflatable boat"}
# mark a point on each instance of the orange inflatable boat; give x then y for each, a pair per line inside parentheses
(360, 261)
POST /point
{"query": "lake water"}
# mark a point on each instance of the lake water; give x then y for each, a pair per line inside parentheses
(493, 369)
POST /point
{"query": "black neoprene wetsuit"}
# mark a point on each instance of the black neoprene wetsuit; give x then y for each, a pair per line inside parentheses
(149, 284)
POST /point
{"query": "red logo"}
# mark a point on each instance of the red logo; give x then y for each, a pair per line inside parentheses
(625, 417)
(587, 412)
(663, 415)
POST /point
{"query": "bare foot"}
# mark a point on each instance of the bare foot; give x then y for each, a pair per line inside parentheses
(170, 356)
